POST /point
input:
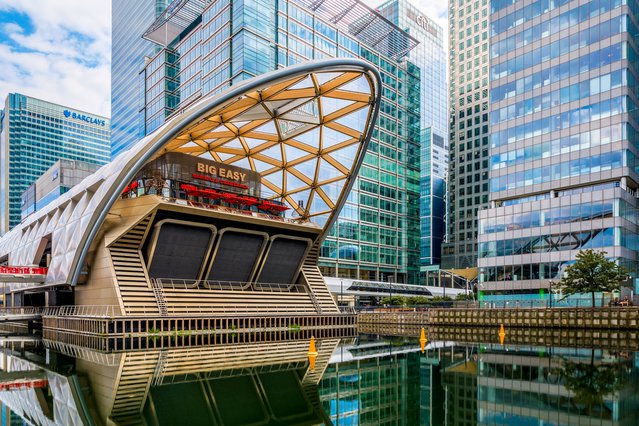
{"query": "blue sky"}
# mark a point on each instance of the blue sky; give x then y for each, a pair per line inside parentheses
(60, 50)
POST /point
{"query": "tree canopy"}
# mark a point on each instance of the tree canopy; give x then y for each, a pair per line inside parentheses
(592, 272)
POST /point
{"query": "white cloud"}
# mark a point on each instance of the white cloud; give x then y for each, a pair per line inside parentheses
(63, 55)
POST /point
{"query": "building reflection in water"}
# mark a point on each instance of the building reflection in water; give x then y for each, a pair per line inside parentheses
(363, 380)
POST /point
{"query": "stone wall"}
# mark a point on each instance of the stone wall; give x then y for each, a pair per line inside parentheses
(615, 318)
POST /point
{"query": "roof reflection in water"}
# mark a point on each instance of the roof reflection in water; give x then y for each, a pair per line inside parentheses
(265, 383)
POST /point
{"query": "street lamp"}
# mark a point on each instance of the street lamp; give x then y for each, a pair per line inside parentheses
(550, 284)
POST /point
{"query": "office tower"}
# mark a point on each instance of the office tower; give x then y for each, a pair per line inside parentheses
(431, 58)
(203, 48)
(128, 53)
(57, 180)
(468, 169)
(563, 143)
(36, 134)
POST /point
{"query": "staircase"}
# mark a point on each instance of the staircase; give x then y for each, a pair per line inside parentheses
(133, 282)
(158, 292)
(132, 388)
(320, 295)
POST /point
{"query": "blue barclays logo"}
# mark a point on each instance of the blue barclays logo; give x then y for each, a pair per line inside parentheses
(83, 117)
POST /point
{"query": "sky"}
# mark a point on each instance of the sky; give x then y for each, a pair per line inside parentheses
(60, 50)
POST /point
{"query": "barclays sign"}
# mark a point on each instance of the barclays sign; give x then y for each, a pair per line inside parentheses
(83, 117)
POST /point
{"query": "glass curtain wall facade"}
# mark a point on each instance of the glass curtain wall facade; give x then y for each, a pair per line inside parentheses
(431, 58)
(468, 190)
(564, 142)
(128, 52)
(35, 135)
(377, 234)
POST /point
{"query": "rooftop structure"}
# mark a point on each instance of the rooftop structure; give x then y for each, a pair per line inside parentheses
(254, 177)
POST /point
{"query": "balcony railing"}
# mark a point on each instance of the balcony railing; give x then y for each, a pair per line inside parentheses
(181, 284)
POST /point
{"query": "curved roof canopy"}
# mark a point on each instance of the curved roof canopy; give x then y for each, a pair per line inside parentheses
(304, 129)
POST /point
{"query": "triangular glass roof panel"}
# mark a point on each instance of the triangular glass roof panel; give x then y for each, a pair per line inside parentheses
(290, 128)
(327, 171)
(293, 182)
(307, 168)
(234, 143)
(306, 113)
(330, 105)
(310, 138)
(261, 166)
(359, 85)
(333, 189)
(319, 205)
(224, 156)
(275, 152)
(293, 153)
(268, 127)
(346, 155)
(253, 143)
(302, 198)
(356, 120)
(190, 144)
(254, 113)
(275, 179)
(323, 77)
(320, 220)
(304, 83)
(244, 163)
(332, 137)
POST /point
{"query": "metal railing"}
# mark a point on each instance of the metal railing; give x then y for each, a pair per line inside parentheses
(82, 311)
(233, 210)
(505, 304)
(20, 310)
(182, 284)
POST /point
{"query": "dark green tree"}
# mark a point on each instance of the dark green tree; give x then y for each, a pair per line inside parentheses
(591, 383)
(591, 273)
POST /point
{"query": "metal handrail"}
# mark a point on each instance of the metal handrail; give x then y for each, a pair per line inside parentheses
(182, 284)
(232, 210)
(20, 310)
(82, 311)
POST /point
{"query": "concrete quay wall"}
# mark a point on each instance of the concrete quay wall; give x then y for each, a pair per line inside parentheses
(616, 318)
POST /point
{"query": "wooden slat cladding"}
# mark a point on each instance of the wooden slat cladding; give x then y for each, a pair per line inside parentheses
(128, 265)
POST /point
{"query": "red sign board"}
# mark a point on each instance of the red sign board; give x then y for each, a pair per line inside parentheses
(22, 270)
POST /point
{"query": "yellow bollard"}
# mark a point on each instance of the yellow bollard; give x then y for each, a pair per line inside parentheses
(502, 334)
(423, 340)
(312, 353)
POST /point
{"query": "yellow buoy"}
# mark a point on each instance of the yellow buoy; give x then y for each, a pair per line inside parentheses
(423, 340)
(312, 353)
(502, 334)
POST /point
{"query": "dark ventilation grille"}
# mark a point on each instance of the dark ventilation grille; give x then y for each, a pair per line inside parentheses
(179, 251)
(283, 260)
(236, 255)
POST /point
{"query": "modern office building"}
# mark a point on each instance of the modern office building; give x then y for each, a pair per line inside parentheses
(204, 47)
(35, 135)
(60, 177)
(129, 52)
(469, 103)
(431, 59)
(563, 142)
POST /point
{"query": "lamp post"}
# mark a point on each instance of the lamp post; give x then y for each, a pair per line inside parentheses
(550, 283)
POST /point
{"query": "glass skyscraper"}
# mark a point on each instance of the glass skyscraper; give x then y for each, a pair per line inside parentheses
(204, 47)
(36, 134)
(563, 147)
(469, 107)
(431, 59)
(128, 54)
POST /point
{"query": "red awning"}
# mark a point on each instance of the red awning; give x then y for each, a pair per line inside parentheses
(211, 194)
(267, 205)
(247, 201)
(229, 198)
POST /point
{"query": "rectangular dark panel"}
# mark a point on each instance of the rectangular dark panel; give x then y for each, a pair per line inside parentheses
(179, 251)
(235, 256)
(283, 260)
